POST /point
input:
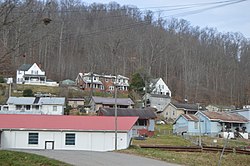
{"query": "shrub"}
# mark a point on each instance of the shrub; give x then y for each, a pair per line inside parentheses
(28, 93)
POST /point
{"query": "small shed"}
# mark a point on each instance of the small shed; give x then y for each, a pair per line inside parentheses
(67, 82)
(60, 132)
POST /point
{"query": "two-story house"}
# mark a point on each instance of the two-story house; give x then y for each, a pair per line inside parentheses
(158, 86)
(102, 83)
(30, 74)
(159, 95)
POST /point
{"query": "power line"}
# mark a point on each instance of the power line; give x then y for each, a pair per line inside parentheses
(130, 26)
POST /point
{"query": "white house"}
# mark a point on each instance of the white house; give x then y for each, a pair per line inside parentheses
(92, 133)
(32, 74)
(159, 87)
(35, 105)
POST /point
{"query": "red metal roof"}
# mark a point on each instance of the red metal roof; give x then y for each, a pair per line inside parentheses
(63, 122)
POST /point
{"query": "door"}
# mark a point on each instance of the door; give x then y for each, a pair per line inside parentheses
(49, 145)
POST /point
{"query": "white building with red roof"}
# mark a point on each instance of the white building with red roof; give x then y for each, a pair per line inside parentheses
(92, 133)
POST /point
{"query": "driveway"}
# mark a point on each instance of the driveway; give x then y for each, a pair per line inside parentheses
(87, 158)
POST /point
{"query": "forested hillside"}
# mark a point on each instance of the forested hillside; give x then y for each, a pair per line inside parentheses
(67, 37)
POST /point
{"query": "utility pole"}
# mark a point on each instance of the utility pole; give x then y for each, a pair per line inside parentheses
(115, 113)
(199, 126)
(91, 85)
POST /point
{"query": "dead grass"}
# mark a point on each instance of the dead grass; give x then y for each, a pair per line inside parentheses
(192, 159)
(163, 137)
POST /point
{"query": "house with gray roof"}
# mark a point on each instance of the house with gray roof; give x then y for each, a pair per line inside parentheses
(145, 124)
(157, 101)
(175, 109)
(32, 74)
(108, 102)
(35, 105)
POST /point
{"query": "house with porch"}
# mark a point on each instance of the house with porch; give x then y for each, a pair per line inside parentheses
(35, 105)
(108, 102)
(30, 74)
(246, 113)
(33, 74)
(102, 83)
(222, 124)
(145, 124)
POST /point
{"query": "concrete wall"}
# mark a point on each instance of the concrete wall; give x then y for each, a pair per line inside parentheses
(91, 141)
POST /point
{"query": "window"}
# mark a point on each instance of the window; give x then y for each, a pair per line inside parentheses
(162, 86)
(27, 107)
(54, 108)
(173, 112)
(18, 107)
(111, 87)
(70, 139)
(33, 138)
(36, 107)
(196, 125)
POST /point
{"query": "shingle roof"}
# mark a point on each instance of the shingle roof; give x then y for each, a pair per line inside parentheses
(185, 106)
(36, 100)
(109, 100)
(25, 67)
(61, 122)
(225, 116)
(147, 113)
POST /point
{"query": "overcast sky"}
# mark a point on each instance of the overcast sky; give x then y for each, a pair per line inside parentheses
(229, 18)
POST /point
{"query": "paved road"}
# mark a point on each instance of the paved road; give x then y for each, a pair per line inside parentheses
(87, 158)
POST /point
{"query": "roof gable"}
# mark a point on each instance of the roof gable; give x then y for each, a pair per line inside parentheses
(63, 122)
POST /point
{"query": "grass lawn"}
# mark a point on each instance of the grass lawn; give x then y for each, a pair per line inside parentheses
(12, 158)
(163, 137)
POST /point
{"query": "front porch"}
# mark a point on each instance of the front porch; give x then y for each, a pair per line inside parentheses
(233, 130)
(34, 79)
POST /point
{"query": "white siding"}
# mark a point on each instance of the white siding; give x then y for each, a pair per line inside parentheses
(92, 141)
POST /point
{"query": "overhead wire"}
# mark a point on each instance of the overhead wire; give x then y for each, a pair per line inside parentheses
(134, 25)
